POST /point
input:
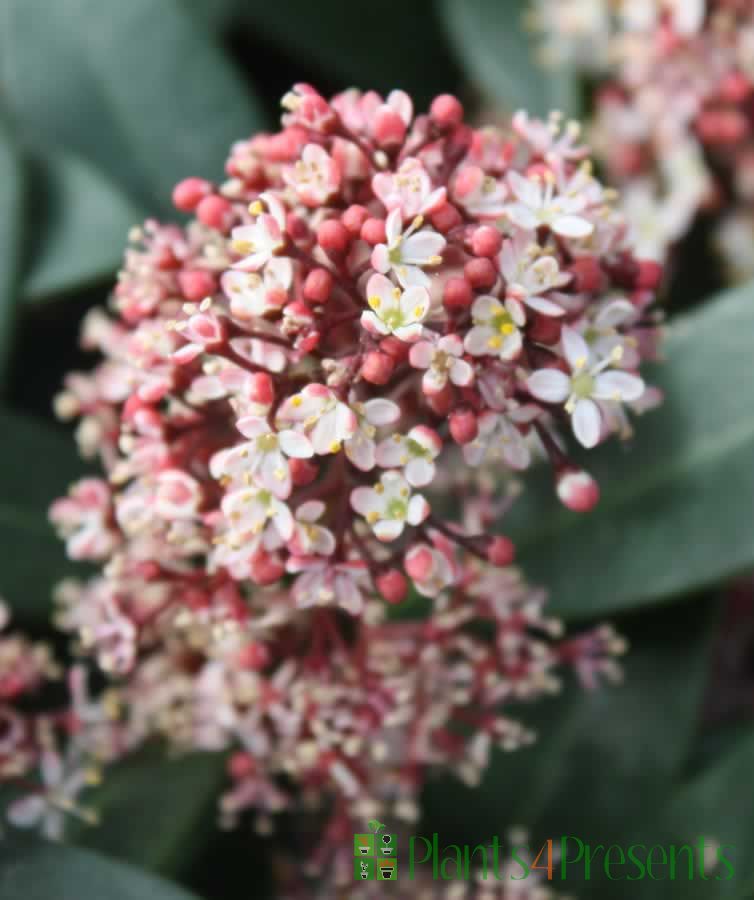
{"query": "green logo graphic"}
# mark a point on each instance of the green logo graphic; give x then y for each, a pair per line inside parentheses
(375, 855)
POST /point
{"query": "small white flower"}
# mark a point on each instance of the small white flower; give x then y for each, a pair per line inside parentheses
(414, 452)
(407, 253)
(259, 513)
(480, 194)
(443, 360)
(360, 448)
(315, 177)
(499, 438)
(496, 328)
(263, 458)
(529, 275)
(323, 583)
(317, 413)
(538, 204)
(310, 539)
(252, 295)
(394, 311)
(408, 190)
(261, 240)
(587, 383)
(389, 505)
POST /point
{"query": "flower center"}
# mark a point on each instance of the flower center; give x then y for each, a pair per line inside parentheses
(267, 442)
(396, 509)
(416, 449)
(582, 385)
(503, 323)
(393, 318)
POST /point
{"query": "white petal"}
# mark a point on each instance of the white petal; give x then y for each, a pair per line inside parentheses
(418, 510)
(572, 226)
(391, 453)
(253, 426)
(382, 412)
(372, 323)
(387, 529)
(477, 341)
(575, 348)
(614, 313)
(420, 355)
(550, 385)
(420, 472)
(419, 248)
(361, 451)
(545, 306)
(294, 444)
(618, 386)
(586, 422)
(485, 307)
(461, 373)
(310, 511)
(414, 303)
(365, 500)
(27, 811)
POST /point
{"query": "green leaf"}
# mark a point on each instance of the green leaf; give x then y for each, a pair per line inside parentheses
(84, 219)
(12, 184)
(139, 89)
(601, 756)
(500, 53)
(175, 799)
(372, 46)
(46, 872)
(675, 513)
(36, 465)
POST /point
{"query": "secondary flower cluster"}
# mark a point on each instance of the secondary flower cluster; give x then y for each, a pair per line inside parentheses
(375, 311)
(674, 111)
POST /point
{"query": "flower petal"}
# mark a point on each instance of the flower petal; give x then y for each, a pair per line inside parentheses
(618, 386)
(549, 385)
(586, 422)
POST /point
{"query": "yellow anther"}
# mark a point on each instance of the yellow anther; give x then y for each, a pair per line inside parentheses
(397, 293)
(580, 362)
(335, 447)
(256, 208)
(296, 401)
(495, 342)
(507, 328)
(379, 488)
(372, 517)
(374, 302)
(418, 311)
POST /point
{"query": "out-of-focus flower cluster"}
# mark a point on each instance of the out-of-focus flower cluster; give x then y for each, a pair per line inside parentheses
(674, 111)
(374, 311)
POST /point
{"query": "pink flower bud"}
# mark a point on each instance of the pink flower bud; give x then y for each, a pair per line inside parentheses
(333, 236)
(188, 193)
(501, 551)
(445, 218)
(649, 276)
(418, 562)
(253, 656)
(373, 231)
(196, 284)
(318, 286)
(303, 471)
(588, 277)
(354, 217)
(215, 212)
(457, 294)
(446, 110)
(241, 765)
(392, 585)
(266, 569)
(464, 426)
(377, 367)
(387, 127)
(441, 401)
(544, 329)
(480, 273)
(577, 490)
(395, 347)
(261, 389)
(486, 241)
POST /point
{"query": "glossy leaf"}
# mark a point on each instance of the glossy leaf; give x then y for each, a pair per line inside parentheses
(85, 220)
(34, 871)
(499, 52)
(145, 94)
(12, 186)
(153, 808)
(37, 464)
(675, 513)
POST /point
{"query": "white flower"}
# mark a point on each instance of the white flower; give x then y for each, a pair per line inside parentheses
(317, 413)
(496, 328)
(499, 438)
(406, 253)
(57, 798)
(252, 295)
(258, 512)
(442, 360)
(538, 204)
(263, 457)
(408, 190)
(438, 565)
(310, 539)
(315, 177)
(261, 240)
(480, 194)
(388, 506)
(360, 448)
(414, 452)
(394, 311)
(529, 275)
(323, 583)
(587, 383)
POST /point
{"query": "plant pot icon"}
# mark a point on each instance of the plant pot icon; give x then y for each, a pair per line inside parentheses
(387, 872)
(365, 875)
(364, 850)
(387, 844)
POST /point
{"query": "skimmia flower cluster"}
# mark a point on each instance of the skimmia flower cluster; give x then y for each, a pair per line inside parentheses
(375, 312)
(673, 118)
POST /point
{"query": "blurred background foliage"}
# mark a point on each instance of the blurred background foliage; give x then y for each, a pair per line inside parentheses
(103, 107)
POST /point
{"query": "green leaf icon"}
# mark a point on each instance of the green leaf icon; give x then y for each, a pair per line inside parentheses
(374, 825)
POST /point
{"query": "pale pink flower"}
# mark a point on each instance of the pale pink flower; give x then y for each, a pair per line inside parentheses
(252, 295)
(82, 518)
(408, 252)
(323, 583)
(389, 506)
(408, 190)
(500, 439)
(309, 538)
(414, 452)
(443, 361)
(314, 177)
(480, 194)
(395, 311)
(374, 414)
(529, 274)
(537, 203)
(497, 328)
(259, 242)
(317, 412)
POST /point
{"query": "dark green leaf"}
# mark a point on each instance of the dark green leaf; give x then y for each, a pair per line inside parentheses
(141, 90)
(38, 463)
(154, 809)
(373, 46)
(11, 237)
(45, 872)
(601, 756)
(675, 514)
(500, 53)
(85, 221)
